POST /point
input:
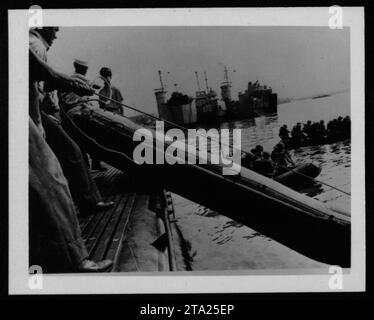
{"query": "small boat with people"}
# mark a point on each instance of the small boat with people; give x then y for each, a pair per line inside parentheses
(316, 133)
(280, 167)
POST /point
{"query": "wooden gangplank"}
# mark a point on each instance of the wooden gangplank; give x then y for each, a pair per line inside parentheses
(126, 231)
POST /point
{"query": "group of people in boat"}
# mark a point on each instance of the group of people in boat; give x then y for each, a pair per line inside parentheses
(61, 185)
(312, 133)
(268, 164)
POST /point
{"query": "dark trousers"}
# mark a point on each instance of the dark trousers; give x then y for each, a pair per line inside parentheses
(55, 241)
(82, 186)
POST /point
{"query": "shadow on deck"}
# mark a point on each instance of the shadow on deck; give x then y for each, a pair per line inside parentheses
(126, 232)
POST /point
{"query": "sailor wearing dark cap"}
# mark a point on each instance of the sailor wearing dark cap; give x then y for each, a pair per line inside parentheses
(106, 72)
(281, 156)
(111, 92)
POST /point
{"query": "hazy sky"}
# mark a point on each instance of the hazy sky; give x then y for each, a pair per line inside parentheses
(294, 61)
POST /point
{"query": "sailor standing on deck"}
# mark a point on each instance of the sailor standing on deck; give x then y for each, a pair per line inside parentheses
(71, 99)
(55, 240)
(73, 104)
(111, 92)
(82, 186)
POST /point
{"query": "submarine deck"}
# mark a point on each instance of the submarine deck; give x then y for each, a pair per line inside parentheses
(133, 231)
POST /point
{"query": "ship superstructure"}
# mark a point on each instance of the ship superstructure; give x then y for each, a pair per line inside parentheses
(207, 107)
(254, 101)
(180, 108)
(207, 102)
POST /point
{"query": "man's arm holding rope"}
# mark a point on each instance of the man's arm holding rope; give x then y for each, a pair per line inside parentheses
(56, 80)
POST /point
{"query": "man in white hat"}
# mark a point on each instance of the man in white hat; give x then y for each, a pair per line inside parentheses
(81, 66)
(69, 99)
(70, 151)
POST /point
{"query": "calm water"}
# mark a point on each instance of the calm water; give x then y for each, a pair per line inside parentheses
(219, 243)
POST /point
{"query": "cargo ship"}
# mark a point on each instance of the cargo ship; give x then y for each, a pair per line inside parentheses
(206, 107)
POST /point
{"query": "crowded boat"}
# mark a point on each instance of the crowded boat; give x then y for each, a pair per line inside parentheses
(316, 133)
(280, 166)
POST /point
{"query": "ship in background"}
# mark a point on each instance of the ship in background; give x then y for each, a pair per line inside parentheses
(180, 108)
(207, 108)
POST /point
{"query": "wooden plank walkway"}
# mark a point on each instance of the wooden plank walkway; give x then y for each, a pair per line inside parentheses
(126, 231)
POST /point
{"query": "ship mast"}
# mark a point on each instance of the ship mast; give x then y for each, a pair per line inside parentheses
(206, 81)
(226, 75)
(226, 89)
(162, 84)
(161, 98)
(197, 81)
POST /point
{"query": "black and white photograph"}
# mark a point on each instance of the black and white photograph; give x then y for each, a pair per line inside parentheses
(186, 150)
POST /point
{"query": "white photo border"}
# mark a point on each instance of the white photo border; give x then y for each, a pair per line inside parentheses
(179, 282)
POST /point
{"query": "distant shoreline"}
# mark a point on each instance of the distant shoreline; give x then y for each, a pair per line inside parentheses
(317, 96)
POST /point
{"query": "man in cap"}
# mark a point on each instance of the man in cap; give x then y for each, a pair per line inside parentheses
(284, 134)
(69, 99)
(82, 186)
(264, 165)
(258, 151)
(81, 67)
(111, 92)
(280, 156)
(55, 240)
